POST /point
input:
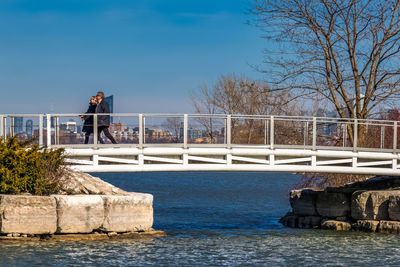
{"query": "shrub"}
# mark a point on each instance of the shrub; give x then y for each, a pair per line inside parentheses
(28, 169)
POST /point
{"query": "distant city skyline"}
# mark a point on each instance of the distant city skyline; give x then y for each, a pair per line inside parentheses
(149, 54)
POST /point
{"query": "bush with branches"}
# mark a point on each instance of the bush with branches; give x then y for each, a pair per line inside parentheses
(25, 168)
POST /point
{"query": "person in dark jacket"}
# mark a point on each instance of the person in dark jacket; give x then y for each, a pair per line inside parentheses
(103, 121)
(88, 124)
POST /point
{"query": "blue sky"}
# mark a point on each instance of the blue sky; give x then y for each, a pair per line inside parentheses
(55, 54)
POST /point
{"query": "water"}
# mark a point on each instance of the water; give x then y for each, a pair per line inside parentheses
(213, 219)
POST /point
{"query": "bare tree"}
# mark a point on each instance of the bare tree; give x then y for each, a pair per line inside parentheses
(344, 50)
(234, 94)
(175, 126)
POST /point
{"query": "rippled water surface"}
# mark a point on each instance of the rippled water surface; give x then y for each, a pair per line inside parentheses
(213, 219)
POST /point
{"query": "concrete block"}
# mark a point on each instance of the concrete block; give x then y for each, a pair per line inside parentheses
(303, 202)
(332, 205)
(27, 214)
(394, 208)
(128, 213)
(79, 213)
(371, 205)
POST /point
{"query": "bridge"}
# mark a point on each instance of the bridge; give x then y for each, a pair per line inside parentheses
(217, 142)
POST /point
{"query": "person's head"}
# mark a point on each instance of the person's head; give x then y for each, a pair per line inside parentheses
(99, 96)
(93, 99)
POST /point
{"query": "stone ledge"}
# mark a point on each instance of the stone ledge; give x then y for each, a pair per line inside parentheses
(75, 214)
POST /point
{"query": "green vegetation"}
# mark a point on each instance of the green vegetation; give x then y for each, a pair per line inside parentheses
(25, 168)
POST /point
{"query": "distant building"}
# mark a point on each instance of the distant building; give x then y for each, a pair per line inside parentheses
(29, 128)
(52, 122)
(69, 126)
(110, 101)
(18, 125)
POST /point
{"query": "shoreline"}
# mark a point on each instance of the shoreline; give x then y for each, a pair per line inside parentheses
(85, 237)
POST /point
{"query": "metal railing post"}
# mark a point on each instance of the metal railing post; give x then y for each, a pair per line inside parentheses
(48, 130)
(355, 137)
(271, 136)
(395, 135)
(5, 128)
(2, 135)
(266, 132)
(12, 126)
(314, 134)
(185, 130)
(306, 133)
(95, 130)
(141, 133)
(228, 130)
(40, 130)
(57, 131)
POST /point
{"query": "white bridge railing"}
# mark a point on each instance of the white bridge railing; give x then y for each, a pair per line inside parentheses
(202, 142)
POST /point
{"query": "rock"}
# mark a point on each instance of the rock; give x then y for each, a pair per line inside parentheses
(303, 202)
(394, 208)
(76, 183)
(79, 213)
(289, 220)
(112, 234)
(128, 213)
(309, 222)
(366, 225)
(371, 205)
(27, 214)
(332, 205)
(389, 227)
(335, 225)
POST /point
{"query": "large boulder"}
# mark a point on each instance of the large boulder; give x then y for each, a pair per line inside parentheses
(79, 213)
(371, 205)
(128, 213)
(27, 214)
(332, 205)
(303, 202)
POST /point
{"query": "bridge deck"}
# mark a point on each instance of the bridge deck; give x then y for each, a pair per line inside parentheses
(193, 142)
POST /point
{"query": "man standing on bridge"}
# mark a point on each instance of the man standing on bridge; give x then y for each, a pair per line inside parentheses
(103, 121)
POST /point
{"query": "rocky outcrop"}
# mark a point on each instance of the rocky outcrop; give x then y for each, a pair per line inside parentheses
(80, 183)
(358, 206)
